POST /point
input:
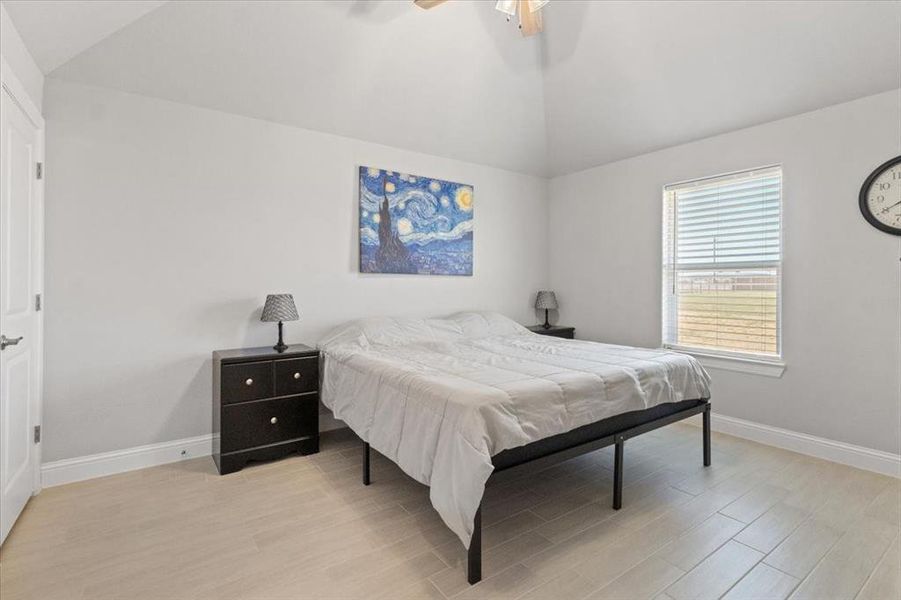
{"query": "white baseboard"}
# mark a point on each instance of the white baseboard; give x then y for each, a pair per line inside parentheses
(119, 461)
(109, 463)
(811, 445)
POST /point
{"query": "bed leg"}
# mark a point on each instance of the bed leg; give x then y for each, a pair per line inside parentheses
(707, 436)
(366, 463)
(474, 556)
(618, 474)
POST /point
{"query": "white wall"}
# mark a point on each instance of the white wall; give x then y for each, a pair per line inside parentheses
(13, 50)
(842, 292)
(166, 226)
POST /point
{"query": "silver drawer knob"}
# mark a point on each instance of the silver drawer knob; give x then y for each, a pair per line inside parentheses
(297, 376)
(273, 420)
(248, 381)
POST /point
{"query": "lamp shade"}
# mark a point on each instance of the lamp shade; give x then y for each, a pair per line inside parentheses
(546, 300)
(279, 307)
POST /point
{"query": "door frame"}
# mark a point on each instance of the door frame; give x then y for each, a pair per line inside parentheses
(11, 85)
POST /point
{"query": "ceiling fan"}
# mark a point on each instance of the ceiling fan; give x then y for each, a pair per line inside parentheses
(529, 12)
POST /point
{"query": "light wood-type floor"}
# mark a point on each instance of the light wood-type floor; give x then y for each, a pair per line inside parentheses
(759, 523)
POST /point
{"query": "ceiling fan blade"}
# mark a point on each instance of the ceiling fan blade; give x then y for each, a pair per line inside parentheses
(529, 22)
(508, 7)
(427, 4)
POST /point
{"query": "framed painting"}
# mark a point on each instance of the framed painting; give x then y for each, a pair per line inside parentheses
(413, 224)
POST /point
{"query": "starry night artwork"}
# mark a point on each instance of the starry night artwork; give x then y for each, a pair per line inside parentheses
(412, 224)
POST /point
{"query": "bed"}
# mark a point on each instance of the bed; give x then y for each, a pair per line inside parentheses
(456, 401)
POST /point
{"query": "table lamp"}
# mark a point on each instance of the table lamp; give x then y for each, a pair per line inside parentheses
(548, 301)
(279, 307)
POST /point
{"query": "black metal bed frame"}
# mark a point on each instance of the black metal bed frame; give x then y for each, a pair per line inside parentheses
(544, 453)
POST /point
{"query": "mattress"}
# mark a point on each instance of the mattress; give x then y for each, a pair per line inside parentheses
(440, 397)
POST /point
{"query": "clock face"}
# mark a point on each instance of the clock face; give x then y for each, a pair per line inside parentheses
(880, 197)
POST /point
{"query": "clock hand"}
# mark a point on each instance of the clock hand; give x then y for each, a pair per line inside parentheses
(888, 208)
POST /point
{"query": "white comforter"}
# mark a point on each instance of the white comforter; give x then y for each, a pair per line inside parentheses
(440, 397)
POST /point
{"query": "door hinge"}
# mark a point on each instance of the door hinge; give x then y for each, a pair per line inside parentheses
(39, 171)
(37, 302)
(37, 434)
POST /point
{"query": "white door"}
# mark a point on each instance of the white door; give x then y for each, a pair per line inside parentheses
(19, 346)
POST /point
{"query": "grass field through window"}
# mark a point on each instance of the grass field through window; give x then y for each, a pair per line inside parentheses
(732, 311)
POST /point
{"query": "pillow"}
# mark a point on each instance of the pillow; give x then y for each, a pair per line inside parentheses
(347, 334)
(486, 324)
(387, 331)
(396, 331)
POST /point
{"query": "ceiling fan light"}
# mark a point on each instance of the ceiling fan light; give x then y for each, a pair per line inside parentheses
(529, 22)
(537, 4)
(508, 7)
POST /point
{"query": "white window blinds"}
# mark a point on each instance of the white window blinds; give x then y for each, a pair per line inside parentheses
(722, 263)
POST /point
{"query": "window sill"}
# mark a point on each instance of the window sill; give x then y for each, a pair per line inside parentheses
(767, 368)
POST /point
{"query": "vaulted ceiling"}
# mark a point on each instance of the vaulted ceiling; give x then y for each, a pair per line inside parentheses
(605, 81)
(623, 79)
(57, 30)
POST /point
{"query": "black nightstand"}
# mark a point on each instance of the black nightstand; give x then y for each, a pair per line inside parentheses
(265, 404)
(555, 331)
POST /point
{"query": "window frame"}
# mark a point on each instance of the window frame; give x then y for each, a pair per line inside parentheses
(771, 365)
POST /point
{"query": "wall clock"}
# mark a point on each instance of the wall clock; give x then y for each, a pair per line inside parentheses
(880, 197)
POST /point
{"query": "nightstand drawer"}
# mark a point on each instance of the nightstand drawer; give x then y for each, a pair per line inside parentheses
(246, 381)
(561, 333)
(269, 421)
(296, 375)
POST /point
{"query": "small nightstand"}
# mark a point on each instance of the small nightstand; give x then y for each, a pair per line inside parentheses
(555, 331)
(265, 404)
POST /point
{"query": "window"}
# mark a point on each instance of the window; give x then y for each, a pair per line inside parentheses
(722, 265)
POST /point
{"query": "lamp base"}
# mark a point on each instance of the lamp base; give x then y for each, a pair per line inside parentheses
(281, 346)
(547, 324)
